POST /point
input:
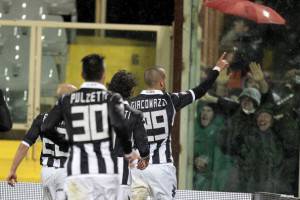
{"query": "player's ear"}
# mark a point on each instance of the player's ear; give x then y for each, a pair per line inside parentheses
(82, 75)
(162, 84)
(103, 78)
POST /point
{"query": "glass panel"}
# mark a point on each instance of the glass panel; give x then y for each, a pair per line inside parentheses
(14, 69)
(63, 50)
(251, 143)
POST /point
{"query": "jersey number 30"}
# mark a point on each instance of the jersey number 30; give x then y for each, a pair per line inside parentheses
(93, 124)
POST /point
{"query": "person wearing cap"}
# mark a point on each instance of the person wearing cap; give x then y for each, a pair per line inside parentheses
(240, 123)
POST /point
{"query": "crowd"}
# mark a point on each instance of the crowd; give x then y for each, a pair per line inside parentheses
(247, 128)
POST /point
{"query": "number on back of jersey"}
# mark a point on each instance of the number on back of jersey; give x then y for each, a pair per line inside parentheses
(158, 122)
(90, 122)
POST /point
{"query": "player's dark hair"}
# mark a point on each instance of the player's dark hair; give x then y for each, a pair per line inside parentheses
(92, 67)
(122, 82)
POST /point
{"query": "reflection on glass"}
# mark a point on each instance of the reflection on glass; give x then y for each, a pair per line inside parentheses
(14, 70)
(261, 129)
(64, 48)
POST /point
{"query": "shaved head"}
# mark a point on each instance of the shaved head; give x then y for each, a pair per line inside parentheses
(154, 76)
(65, 88)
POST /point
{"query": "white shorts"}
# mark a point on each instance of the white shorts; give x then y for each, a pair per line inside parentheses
(124, 179)
(53, 183)
(124, 192)
(158, 179)
(92, 187)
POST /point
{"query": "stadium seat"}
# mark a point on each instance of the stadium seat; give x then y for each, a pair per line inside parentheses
(5, 5)
(61, 7)
(54, 40)
(49, 77)
(14, 69)
(2, 6)
(15, 63)
(27, 10)
(3, 30)
(18, 101)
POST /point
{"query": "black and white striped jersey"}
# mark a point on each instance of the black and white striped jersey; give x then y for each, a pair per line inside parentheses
(159, 109)
(137, 132)
(53, 154)
(90, 114)
(135, 123)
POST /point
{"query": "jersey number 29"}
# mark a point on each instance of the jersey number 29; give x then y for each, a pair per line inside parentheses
(158, 122)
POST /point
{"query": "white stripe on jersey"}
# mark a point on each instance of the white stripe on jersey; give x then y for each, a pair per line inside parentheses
(92, 159)
(173, 117)
(174, 114)
(76, 161)
(162, 152)
(193, 94)
(171, 153)
(61, 130)
(44, 161)
(56, 163)
(25, 143)
(120, 168)
(153, 147)
(106, 154)
(59, 153)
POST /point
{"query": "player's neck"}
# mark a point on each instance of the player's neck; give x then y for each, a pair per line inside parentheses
(154, 88)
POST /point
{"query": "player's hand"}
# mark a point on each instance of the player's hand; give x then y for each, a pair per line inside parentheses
(132, 158)
(292, 73)
(224, 77)
(143, 163)
(222, 62)
(209, 98)
(200, 164)
(11, 179)
(256, 72)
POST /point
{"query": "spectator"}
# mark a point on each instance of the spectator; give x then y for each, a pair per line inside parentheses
(286, 98)
(240, 123)
(264, 151)
(211, 166)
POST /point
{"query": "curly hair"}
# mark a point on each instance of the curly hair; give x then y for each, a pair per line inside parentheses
(122, 82)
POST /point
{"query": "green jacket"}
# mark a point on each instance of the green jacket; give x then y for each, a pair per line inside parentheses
(214, 176)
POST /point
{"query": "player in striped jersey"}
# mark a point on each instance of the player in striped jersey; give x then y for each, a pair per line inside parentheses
(91, 113)
(53, 155)
(123, 83)
(159, 109)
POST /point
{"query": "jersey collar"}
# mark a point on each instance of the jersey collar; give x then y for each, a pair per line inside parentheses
(151, 92)
(93, 85)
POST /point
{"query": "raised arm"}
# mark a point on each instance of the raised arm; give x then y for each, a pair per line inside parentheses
(29, 139)
(225, 105)
(258, 75)
(20, 154)
(184, 98)
(5, 119)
